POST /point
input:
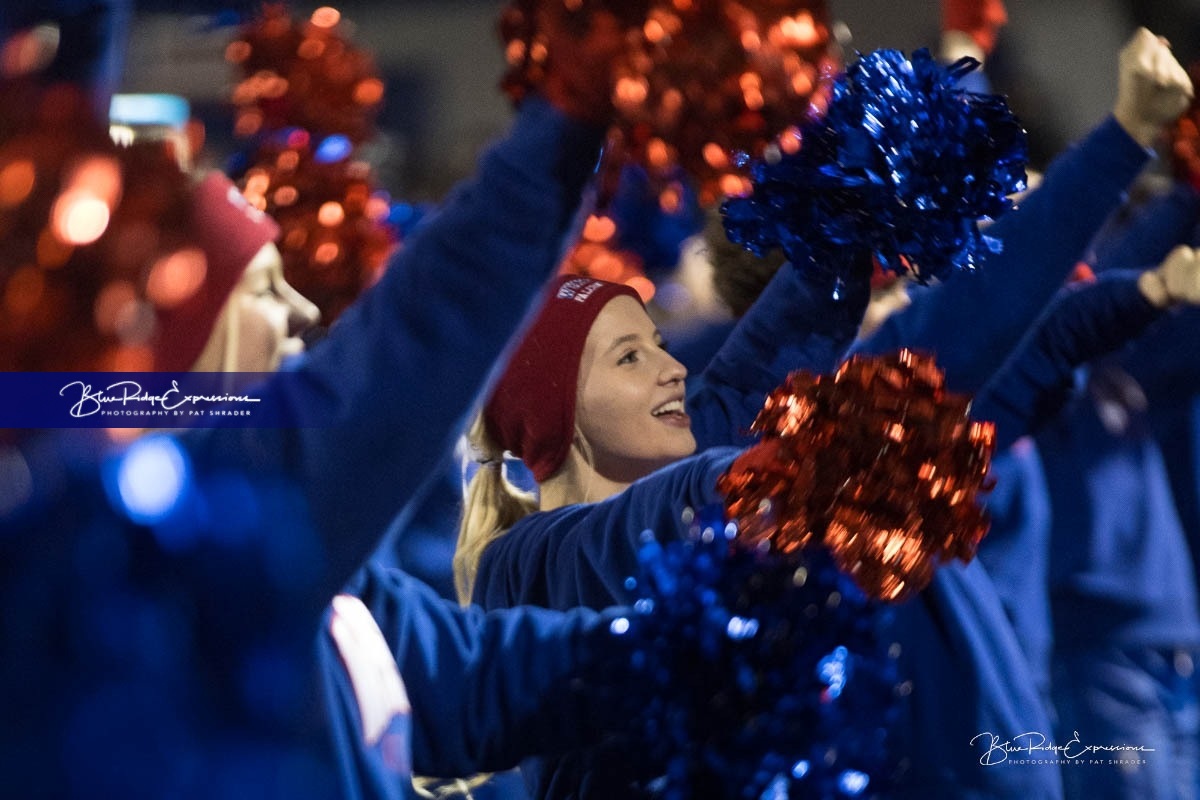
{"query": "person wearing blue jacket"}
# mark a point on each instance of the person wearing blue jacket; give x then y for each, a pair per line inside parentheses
(161, 600)
(574, 552)
(764, 349)
(1121, 577)
(974, 320)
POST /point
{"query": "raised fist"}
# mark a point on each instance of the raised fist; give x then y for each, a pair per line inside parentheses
(1153, 89)
(1175, 281)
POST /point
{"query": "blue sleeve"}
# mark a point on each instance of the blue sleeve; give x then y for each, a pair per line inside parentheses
(797, 323)
(487, 689)
(583, 555)
(1083, 323)
(1150, 233)
(1164, 361)
(367, 413)
(973, 321)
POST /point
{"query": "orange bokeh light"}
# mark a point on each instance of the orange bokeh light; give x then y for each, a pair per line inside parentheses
(176, 277)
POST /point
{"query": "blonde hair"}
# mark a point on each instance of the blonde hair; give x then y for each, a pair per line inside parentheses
(491, 507)
(440, 789)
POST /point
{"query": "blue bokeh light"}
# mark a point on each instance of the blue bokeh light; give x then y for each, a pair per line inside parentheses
(853, 783)
(332, 149)
(151, 479)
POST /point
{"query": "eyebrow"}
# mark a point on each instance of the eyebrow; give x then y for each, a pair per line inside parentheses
(633, 337)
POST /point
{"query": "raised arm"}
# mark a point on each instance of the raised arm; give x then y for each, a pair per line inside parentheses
(583, 554)
(1084, 323)
(973, 321)
(798, 322)
(368, 411)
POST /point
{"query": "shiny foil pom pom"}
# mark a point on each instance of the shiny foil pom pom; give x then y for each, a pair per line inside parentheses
(303, 73)
(877, 463)
(335, 236)
(306, 104)
(701, 85)
(755, 673)
(901, 167)
(94, 241)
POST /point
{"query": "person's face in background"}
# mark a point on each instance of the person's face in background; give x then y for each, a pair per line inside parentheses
(630, 405)
(261, 321)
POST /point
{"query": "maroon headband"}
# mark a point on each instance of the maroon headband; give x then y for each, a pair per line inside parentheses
(531, 412)
(230, 232)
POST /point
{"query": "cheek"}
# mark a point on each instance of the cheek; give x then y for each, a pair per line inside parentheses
(607, 415)
(258, 338)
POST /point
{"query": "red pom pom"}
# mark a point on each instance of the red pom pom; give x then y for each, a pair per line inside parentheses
(94, 240)
(877, 462)
(1185, 140)
(303, 74)
(696, 83)
(594, 256)
(334, 235)
(303, 81)
(981, 19)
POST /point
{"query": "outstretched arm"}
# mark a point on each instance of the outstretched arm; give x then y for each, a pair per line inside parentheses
(367, 412)
(797, 323)
(486, 689)
(583, 554)
(1084, 323)
(973, 321)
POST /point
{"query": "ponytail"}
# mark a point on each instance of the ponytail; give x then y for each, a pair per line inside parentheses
(492, 506)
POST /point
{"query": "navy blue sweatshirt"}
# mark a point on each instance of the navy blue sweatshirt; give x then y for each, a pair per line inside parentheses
(954, 635)
(174, 657)
(973, 321)
(1119, 571)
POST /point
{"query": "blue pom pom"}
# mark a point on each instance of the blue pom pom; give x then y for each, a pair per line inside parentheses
(760, 666)
(902, 167)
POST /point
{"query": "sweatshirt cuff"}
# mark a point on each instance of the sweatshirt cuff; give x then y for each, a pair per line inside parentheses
(1123, 156)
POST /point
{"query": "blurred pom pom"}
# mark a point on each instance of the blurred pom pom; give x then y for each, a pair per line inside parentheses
(304, 74)
(981, 19)
(711, 79)
(901, 168)
(307, 102)
(599, 260)
(335, 232)
(696, 83)
(1185, 140)
(528, 27)
(763, 675)
(95, 246)
(878, 463)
